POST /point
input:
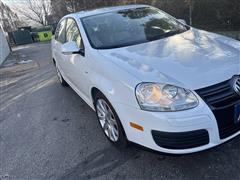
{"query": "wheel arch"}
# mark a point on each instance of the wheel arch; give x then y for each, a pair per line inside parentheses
(103, 91)
(94, 91)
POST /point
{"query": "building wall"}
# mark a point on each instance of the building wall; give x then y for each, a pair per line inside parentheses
(4, 47)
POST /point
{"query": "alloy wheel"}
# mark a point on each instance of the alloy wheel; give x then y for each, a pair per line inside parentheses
(107, 120)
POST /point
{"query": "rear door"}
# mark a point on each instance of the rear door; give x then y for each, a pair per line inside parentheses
(60, 38)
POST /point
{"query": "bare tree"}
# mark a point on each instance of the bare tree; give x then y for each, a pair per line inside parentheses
(36, 11)
(59, 9)
(8, 19)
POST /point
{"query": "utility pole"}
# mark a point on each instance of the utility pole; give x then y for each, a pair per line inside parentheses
(190, 4)
(190, 12)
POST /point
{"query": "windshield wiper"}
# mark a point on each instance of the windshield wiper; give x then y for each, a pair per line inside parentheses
(123, 45)
(171, 33)
(167, 34)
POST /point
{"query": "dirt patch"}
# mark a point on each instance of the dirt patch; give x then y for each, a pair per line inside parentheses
(18, 69)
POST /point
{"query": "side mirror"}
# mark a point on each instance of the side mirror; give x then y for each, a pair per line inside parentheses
(182, 21)
(70, 48)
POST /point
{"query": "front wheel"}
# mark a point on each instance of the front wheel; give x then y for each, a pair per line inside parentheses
(109, 121)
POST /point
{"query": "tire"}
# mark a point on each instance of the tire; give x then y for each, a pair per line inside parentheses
(60, 78)
(107, 122)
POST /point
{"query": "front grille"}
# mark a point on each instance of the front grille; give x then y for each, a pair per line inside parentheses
(222, 99)
(181, 140)
(219, 96)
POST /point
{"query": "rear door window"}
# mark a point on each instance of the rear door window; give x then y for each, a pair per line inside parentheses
(61, 32)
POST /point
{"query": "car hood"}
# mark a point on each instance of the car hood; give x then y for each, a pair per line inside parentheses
(193, 59)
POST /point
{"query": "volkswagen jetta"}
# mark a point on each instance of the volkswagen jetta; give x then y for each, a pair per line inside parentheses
(152, 79)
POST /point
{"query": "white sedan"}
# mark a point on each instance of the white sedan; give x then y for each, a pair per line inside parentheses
(152, 79)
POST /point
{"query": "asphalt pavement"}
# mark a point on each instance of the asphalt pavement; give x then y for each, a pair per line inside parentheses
(48, 132)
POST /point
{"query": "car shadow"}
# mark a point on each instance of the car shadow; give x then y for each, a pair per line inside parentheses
(99, 163)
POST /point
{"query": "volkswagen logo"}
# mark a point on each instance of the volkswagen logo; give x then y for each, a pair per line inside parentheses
(236, 84)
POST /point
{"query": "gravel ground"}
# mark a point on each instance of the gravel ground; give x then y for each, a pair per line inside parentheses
(48, 132)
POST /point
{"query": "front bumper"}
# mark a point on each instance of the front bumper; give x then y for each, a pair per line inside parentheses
(197, 119)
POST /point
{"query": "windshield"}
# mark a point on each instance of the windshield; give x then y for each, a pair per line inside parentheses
(130, 27)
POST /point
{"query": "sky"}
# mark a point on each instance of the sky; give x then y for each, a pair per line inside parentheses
(18, 3)
(12, 2)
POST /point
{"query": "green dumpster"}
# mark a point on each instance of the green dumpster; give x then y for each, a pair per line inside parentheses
(45, 36)
(22, 37)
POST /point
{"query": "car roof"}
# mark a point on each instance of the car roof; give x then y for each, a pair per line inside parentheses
(86, 13)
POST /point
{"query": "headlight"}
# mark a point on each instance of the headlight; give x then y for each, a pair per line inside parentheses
(164, 97)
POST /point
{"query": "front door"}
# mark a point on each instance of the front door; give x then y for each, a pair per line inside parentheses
(76, 64)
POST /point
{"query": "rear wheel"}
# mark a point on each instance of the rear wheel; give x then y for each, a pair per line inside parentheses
(60, 78)
(109, 121)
